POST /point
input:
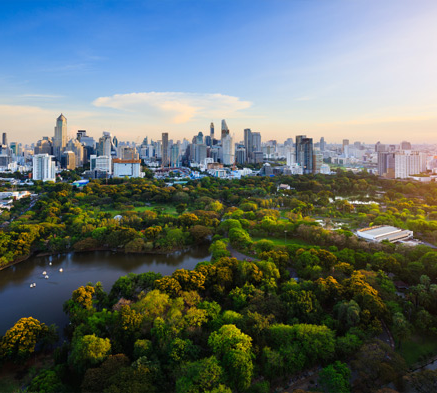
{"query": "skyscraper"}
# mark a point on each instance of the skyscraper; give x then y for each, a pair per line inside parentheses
(248, 144)
(304, 153)
(5, 139)
(164, 155)
(256, 142)
(345, 143)
(404, 145)
(43, 168)
(104, 146)
(211, 131)
(322, 144)
(60, 139)
(228, 150)
(225, 129)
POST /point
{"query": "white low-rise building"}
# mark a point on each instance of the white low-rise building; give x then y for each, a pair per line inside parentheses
(127, 168)
(102, 163)
(384, 232)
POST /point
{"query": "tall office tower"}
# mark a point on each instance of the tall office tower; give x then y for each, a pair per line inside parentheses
(288, 142)
(80, 134)
(145, 141)
(174, 156)
(43, 168)
(104, 146)
(211, 131)
(128, 153)
(208, 141)
(256, 142)
(228, 150)
(386, 164)
(44, 146)
(60, 139)
(164, 154)
(5, 139)
(77, 148)
(304, 153)
(225, 129)
(322, 144)
(291, 158)
(379, 147)
(404, 145)
(199, 138)
(317, 162)
(240, 156)
(115, 141)
(248, 144)
(345, 143)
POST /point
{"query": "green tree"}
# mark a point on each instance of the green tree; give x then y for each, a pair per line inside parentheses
(89, 350)
(234, 349)
(335, 378)
(199, 377)
(20, 340)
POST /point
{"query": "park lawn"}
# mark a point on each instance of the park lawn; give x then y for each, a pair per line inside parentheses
(417, 347)
(166, 209)
(281, 242)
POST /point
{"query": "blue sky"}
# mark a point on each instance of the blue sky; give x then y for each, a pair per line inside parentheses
(363, 70)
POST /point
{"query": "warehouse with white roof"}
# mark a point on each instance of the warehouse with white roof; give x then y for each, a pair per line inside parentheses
(384, 232)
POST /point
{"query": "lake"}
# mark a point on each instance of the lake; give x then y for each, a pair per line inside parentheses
(44, 302)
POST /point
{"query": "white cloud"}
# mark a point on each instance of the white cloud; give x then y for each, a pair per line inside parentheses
(181, 107)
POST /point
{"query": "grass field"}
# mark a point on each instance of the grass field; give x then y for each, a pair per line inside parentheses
(166, 209)
(417, 347)
(281, 242)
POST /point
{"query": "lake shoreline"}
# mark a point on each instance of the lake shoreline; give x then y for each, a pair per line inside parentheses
(37, 254)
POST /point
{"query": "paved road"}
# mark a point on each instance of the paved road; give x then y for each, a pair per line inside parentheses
(239, 255)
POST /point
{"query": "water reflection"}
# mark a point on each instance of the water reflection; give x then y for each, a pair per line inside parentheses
(44, 302)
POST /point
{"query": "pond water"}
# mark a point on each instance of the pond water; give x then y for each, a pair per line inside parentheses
(44, 301)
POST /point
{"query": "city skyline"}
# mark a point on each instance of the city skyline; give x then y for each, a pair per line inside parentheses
(363, 70)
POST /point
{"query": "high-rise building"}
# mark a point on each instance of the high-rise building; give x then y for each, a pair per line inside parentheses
(407, 164)
(228, 150)
(199, 138)
(174, 156)
(317, 162)
(102, 163)
(345, 143)
(240, 156)
(256, 142)
(304, 153)
(288, 142)
(322, 144)
(164, 160)
(291, 158)
(225, 129)
(76, 147)
(380, 147)
(211, 131)
(44, 146)
(5, 139)
(248, 144)
(104, 147)
(128, 153)
(43, 168)
(60, 139)
(386, 164)
(68, 160)
(404, 145)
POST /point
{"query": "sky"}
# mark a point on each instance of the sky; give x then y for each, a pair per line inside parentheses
(363, 70)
